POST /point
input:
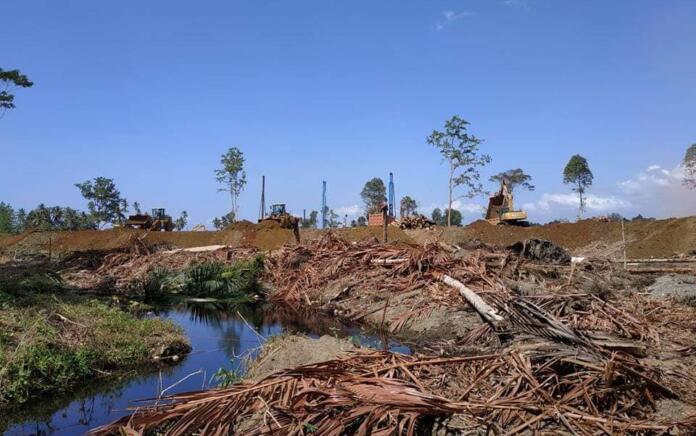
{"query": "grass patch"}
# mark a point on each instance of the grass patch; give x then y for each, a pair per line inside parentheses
(51, 341)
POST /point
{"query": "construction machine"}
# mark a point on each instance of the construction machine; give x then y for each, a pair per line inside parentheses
(501, 210)
(157, 221)
(280, 215)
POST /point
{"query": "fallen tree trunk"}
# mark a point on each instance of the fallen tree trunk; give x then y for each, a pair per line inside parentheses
(487, 312)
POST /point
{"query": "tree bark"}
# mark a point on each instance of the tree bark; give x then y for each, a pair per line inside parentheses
(449, 204)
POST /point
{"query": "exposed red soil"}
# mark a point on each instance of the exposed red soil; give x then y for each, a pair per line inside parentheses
(645, 238)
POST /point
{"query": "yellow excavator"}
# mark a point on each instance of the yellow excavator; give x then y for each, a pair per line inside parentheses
(280, 215)
(501, 210)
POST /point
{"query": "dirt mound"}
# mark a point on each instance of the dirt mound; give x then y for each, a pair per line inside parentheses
(289, 351)
(242, 225)
(645, 238)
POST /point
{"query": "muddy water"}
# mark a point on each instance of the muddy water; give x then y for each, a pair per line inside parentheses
(220, 336)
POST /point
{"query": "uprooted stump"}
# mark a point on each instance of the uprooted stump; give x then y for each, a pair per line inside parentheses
(541, 250)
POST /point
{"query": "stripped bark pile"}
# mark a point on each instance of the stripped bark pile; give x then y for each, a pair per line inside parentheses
(560, 361)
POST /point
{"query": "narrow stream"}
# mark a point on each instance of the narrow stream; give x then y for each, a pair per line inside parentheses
(220, 337)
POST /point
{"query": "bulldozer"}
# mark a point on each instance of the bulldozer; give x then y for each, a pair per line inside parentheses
(280, 215)
(501, 210)
(157, 221)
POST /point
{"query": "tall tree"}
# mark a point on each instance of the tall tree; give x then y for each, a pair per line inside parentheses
(232, 176)
(515, 177)
(104, 201)
(181, 222)
(361, 221)
(690, 167)
(577, 172)
(461, 152)
(373, 194)
(311, 222)
(7, 218)
(407, 206)
(136, 208)
(10, 79)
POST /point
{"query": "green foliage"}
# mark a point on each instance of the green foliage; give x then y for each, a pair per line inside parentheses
(577, 172)
(689, 164)
(373, 194)
(56, 218)
(180, 222)
(215, 279)
(10, 79)
(136, 208)
(232, 176)
(56, 343)
(440, 217)
(515, 177)
(8, 222)
(461, 151)
(407, 207)
(224, 221)
(311, 222)
(104, 200)
(226, 377)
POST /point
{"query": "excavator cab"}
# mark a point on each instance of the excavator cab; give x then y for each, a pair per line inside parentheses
(278, 209)
(158, 214)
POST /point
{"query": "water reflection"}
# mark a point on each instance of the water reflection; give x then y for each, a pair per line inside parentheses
(221, 335)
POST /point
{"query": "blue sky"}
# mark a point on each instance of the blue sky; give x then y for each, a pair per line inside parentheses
(151, 93)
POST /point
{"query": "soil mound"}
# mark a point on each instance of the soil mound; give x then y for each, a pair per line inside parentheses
(243, 225)
(645, 238)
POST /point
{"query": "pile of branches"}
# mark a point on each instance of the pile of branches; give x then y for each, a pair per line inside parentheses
(415, 222)
(538, 387)
(128, 270)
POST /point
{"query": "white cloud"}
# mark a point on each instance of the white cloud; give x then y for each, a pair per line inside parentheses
(654, 177)
(597, 203)
(452, 16)
(524, 4)
(351, 211)
(465, 208)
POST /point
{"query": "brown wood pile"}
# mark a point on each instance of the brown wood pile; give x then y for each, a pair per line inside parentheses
(562, 360)
(415, 222)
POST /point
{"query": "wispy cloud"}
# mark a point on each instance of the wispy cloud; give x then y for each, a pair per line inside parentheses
(452, 16)
(596, 203)
(351, 211)
(523, 4)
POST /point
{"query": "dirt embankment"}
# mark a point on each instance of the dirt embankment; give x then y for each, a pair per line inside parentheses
(659, 238)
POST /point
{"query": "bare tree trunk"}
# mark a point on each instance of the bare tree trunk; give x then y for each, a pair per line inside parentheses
(449, 203)
(582, 201)
(234, 203)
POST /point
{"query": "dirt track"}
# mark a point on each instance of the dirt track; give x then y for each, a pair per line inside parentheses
(645, 238)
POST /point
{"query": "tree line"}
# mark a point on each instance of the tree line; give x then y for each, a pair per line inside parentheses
(105, 206)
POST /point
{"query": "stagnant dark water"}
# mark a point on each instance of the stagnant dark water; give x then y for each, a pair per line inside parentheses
(220, 336)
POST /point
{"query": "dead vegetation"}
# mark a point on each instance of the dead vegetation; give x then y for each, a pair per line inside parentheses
(578, 349)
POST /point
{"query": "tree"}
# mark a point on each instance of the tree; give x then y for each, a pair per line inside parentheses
(311, 222)
(224, 221)
(362, 221)
(10, 79)
(440, 218)
(407, 206)
(232, 175)
(690, 167)
(515, 177)
(180, 222)
(7, 218)
(333, 221)
(104, 201)
(20, 220)
(54, 218)
(437, 217)
(577, 172)
(373, 195)
(461, 152)
(136, 208)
